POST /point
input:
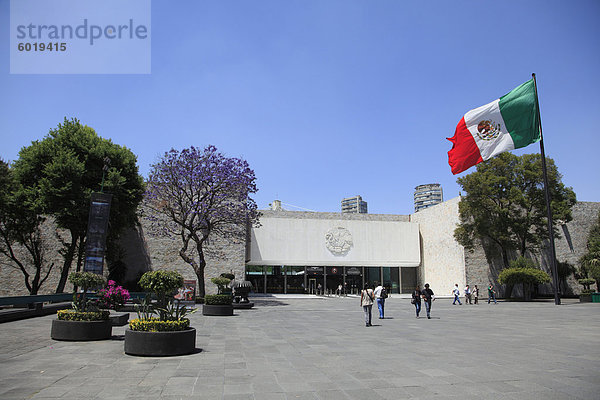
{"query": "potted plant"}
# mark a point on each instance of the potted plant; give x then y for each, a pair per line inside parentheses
(161, 328)
(219, 304)
(241, 290)
(85, 321)
(586, 293)
(113, 297)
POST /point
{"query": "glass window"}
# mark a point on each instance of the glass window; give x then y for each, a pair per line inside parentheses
(353, 280)
(295, 279)
(255, 274)
(335, 280)
(372, 275)
(409, 279)
(275, 280)
(391, 279)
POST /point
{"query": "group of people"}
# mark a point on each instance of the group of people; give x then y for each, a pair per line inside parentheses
(472, 295)
(369, 296)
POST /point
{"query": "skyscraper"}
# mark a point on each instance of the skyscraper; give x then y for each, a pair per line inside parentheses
(428, 195)
(354, 205)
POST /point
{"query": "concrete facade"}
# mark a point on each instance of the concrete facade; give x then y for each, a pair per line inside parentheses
(443, 259)
(334, 242)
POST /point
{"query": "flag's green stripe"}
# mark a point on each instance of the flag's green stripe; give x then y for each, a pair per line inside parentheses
(519, 111)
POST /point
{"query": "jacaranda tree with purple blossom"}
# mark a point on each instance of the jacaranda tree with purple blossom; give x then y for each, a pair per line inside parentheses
(195, 194)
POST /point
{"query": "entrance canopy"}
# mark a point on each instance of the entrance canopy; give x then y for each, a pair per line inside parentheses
(332, 242)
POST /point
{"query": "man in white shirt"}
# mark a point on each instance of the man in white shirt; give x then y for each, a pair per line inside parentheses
(456, 293)
(379, 290)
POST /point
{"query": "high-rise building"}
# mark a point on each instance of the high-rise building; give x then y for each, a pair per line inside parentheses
(428, 195)
(354, 205)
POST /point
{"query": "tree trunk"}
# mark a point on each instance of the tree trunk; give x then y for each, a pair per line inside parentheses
(68, 260)
(200, 274)
(505, 257)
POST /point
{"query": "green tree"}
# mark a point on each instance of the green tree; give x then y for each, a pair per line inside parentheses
(505, 203)
(20, 225)
(524, 271)
(590, 262)
(60, 172)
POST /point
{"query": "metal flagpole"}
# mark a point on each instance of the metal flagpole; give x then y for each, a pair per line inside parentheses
(548, 209)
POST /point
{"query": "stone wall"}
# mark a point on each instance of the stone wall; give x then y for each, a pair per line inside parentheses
(485, 262)
(12, 281)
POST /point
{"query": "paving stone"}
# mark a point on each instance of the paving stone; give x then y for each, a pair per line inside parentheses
(317, 349)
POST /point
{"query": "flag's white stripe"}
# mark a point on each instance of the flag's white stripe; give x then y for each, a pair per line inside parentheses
(489, 148)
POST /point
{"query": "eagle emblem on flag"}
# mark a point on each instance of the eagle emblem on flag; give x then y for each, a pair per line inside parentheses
(488, 130)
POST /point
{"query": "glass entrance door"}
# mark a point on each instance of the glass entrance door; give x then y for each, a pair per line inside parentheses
(335, 280)
(354, 280)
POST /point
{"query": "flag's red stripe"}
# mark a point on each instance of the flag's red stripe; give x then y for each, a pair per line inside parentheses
(464, 153)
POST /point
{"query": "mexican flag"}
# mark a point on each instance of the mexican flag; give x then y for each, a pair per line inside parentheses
(508, 123)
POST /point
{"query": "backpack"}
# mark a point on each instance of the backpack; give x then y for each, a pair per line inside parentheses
(383, 294)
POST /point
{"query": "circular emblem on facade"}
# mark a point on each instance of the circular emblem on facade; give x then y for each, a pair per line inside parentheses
(338, 241)
(334, 270)
(488, 130)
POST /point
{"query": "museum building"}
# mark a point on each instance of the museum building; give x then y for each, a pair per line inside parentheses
(323, 253)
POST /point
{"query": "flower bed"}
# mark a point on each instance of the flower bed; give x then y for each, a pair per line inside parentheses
(156, 325)
(73, 315)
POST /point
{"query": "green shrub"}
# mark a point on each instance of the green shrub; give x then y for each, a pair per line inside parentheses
(156, 325)
(221, 283)
(161, 282)
(218, 299)
(586, 283)
(86, 280)
(73, 315)
(228, 276)
(514, 275)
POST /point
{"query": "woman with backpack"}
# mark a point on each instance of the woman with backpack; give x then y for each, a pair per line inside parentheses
(366, 301)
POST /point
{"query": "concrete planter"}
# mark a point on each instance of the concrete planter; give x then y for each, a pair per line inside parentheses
(160, 344)
(585, 298)
(217, 309)
(243, 306)
(119, 319)
(81, 330)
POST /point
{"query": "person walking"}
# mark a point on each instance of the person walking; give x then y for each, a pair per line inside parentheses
(468, 295)
(491, 293)
(380, 296)
(476, 294)
(416, 300)
(366, 301)
(428, 298)
(456, 293)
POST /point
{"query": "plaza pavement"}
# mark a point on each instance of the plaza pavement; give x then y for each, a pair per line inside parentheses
(318, 348)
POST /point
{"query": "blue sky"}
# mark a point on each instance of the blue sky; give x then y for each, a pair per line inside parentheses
(329, 99)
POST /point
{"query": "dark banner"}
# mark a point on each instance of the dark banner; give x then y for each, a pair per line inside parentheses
(97, 231)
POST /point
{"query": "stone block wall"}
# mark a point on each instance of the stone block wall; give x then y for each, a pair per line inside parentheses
(483, 264)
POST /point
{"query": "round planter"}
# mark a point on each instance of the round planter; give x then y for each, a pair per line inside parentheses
(160, 344)
(217, 309)
(81, 330)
